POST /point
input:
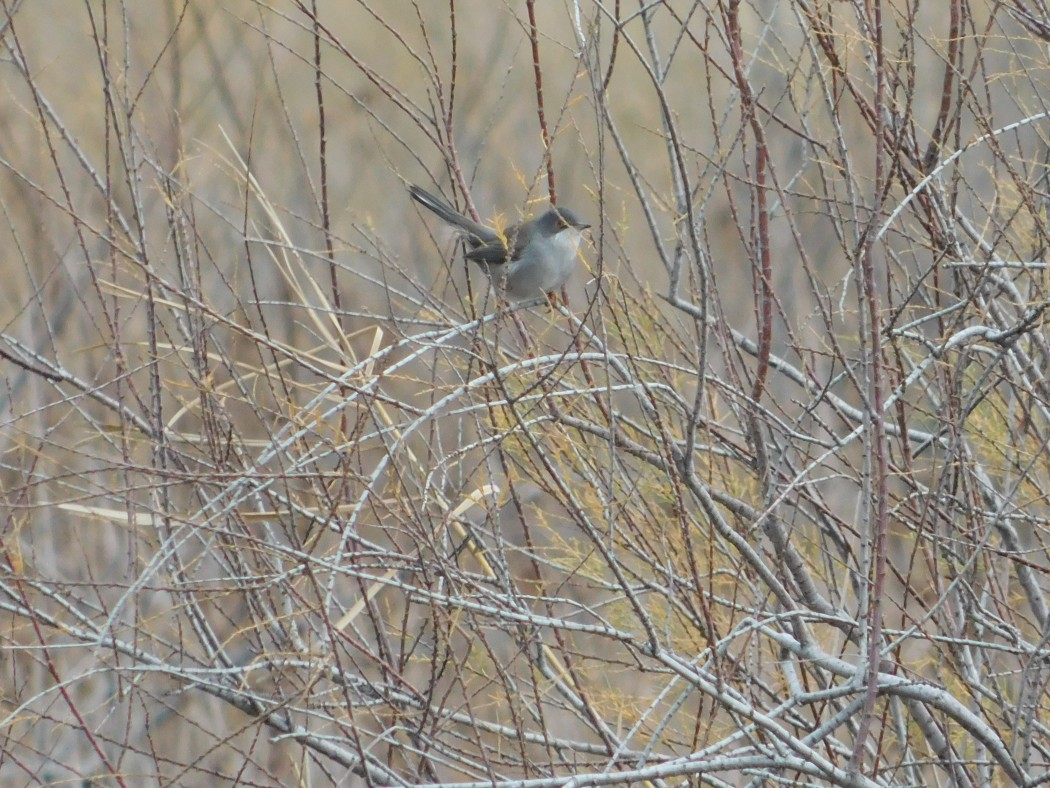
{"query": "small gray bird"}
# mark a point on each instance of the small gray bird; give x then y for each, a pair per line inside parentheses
(526, 260)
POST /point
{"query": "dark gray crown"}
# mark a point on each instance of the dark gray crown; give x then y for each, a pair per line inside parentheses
(557, 219)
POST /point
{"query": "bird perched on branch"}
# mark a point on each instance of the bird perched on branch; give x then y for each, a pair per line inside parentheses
(523, 261)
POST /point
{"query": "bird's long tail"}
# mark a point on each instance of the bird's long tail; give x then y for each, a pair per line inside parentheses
(476, 233)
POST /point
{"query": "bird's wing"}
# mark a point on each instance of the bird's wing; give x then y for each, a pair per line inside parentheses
(491, 253)
(506, 247)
